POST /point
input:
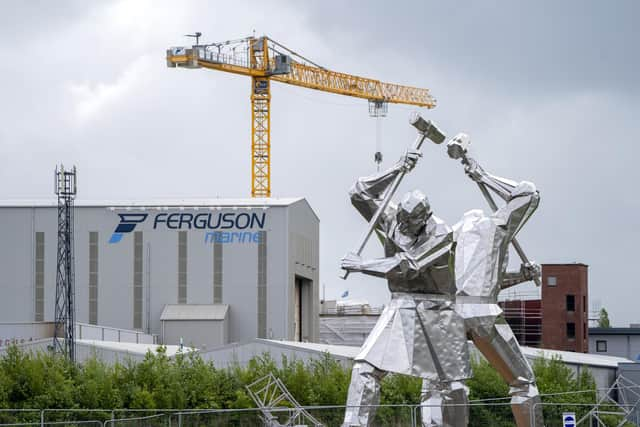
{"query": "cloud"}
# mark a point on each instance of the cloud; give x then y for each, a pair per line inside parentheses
(92, 98)
(512, 47)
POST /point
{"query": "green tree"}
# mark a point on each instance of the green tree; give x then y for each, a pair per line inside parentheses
(96, 386)
(603, 321)
(487, 385)
(397, 390)
(42, 380)
(555, 379)
(4, 390)
(160, 377)
(56, 381)
(330, 381)
(125, 381)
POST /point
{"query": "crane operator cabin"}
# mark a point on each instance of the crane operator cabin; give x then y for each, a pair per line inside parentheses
(210, 272)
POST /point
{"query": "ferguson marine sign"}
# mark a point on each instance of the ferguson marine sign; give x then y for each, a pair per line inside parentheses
(250, 225)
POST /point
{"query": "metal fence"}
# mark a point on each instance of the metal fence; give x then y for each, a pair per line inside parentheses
(590, 415)
(386, 415)
(329, 416)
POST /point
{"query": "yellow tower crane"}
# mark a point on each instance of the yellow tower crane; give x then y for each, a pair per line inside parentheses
(264, 60)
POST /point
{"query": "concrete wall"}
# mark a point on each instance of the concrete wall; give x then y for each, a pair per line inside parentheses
(27, 332)
(200, 334)
(21, 332)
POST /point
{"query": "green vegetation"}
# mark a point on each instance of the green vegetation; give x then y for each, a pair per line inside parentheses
(603, 320)
(186, 381)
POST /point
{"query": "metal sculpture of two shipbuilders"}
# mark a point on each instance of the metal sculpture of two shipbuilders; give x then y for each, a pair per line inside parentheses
(444, 284)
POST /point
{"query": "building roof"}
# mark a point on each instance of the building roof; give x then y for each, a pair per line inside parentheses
(575, 358)
(243, 352)
(350, 352)
(194, 312)
(121, 348)
(158, 203)
(133, 348)
(336, 350)
(614, 331)
(565, 263)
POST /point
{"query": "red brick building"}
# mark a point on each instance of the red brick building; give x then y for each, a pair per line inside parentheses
(565, 299)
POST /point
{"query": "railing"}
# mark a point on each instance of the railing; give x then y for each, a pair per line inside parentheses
(240, 60)
(353, 311)
(33, 332)
(105, 333)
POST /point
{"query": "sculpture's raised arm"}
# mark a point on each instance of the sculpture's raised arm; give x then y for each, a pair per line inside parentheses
(367, 192)
(521, 198)
(401, 265)
(527, 272)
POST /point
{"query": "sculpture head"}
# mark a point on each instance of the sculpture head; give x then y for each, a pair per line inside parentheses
(413, 212)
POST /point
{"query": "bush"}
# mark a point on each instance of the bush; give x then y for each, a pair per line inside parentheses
(186, 381)
(487, 384)
(554, 377)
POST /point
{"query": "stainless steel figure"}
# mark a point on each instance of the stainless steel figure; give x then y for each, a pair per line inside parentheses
(481, 259)
(457, 148)
(426, 130)
(419, 333)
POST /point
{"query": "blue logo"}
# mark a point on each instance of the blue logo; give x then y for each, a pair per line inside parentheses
(568, 419)
(127, 224)
(247, 226)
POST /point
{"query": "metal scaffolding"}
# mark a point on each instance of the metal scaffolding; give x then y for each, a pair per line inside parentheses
(63, 338)
(272, 397)
(625, 409)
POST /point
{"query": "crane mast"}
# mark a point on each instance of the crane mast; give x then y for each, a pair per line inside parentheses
(260, 121)
(264, 59)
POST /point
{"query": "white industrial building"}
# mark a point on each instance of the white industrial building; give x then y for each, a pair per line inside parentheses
(205, 325)
(621, 342)
(221, 270)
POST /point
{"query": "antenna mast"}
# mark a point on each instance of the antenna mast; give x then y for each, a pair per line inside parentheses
(63, 338)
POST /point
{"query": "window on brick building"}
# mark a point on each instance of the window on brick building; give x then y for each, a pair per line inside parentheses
(552, 281)
(571, 330)
(601, 346)
(571, 303)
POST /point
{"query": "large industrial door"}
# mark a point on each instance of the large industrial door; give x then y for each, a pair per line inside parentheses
(297, 309)
(302, 306)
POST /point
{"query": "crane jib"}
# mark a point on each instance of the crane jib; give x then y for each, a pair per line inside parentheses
(264, 59)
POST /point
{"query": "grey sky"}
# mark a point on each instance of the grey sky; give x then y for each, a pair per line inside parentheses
(547, 90)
